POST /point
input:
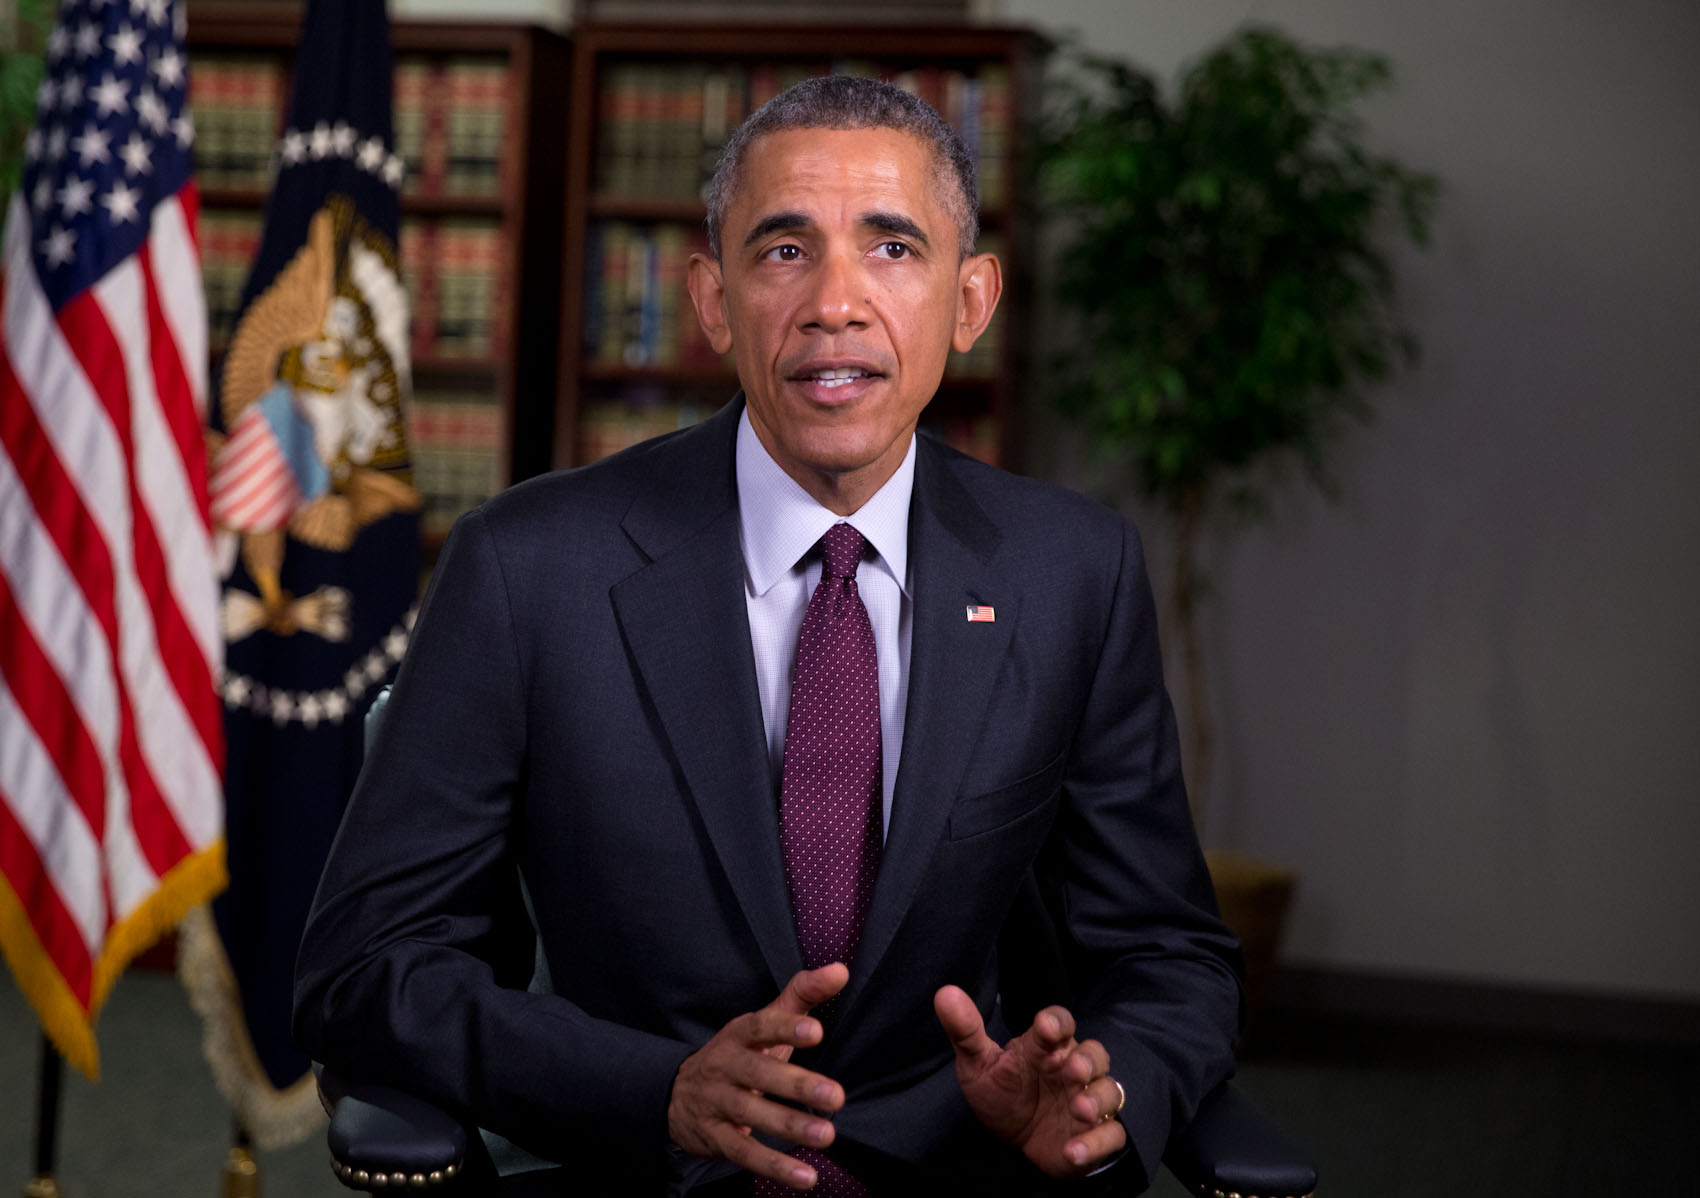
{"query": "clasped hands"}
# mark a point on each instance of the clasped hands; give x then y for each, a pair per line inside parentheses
(1045, 1092)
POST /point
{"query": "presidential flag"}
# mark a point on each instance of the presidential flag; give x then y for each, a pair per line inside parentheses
(312, 493)
(110, 734)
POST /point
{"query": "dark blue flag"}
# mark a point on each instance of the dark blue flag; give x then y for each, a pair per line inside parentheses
(313, 488)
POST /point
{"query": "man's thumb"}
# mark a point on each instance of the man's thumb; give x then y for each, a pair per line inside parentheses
(811, 987)
(962, 1023)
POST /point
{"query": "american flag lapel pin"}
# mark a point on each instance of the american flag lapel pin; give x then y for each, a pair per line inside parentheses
(980, 613)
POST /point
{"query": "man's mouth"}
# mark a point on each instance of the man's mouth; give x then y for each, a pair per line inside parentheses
(838, 377)
(851, 378)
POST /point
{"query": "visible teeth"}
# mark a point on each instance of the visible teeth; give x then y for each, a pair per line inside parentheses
(838, 377)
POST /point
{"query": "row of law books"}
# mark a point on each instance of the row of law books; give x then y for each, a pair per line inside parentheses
(660, 128)
(454, 270)
(455, 438)
(229, 241)
(609, 423)
(637, 311)
(237, 102)
(451, 119)
(450, 115)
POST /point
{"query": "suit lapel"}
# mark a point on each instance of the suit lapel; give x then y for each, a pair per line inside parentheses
(686, 626)
(675, 613)
(953, 665)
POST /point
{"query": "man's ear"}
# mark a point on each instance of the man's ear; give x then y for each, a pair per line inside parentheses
(979, 283)
(708, 295)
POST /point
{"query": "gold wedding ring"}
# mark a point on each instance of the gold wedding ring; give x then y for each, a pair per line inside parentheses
(1120, 1102)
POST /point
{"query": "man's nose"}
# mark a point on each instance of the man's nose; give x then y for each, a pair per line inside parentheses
(838, 295)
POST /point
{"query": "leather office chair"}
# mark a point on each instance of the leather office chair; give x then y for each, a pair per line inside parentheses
(381, 1138)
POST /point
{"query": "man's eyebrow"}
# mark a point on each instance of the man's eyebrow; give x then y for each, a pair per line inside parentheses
(896, 222)
(778, 222)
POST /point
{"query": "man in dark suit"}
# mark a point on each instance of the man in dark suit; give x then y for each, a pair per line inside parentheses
(783, 720)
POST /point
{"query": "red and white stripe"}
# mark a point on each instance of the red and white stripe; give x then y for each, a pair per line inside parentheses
(253, 488)
(111, 735)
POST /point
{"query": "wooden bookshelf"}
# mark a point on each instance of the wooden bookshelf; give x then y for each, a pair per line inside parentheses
(650, 106)
(479, 115)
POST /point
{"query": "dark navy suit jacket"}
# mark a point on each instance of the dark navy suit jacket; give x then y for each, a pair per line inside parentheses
(579, 701)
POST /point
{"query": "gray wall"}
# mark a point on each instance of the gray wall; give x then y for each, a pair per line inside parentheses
(1465, 703)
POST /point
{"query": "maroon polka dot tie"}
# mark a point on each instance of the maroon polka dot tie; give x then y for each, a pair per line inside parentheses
(829, 797)
(830, 826)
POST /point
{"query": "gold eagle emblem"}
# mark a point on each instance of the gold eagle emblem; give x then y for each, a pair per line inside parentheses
(331, 330)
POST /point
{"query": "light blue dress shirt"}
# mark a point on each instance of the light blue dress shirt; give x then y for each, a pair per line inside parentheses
(779, 523)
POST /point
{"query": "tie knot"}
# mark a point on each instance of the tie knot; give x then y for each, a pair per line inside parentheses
(842, 550)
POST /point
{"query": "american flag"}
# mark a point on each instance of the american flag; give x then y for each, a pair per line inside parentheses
(981, 614)
(111, 742)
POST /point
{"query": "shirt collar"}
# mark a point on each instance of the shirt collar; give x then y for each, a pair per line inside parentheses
(779, 522)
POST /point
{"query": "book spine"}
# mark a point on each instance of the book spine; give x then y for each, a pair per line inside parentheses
(433, 154)
(714, 130)
(205, 98)
(616, 237)
(419, 275)
(473, 126)
(685, 133)
(997, 114)
(620, 129)
(456, 442)
(412, 77)
(634, 351)
(670, 258)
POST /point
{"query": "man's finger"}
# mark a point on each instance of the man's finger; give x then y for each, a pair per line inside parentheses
(762, 1074)
(1079, 1063)
(811, 987)
(1054, 1026)
(962, 1023)
(1096, 1101)
(772, 1025)
(753, 1111)
(1097, 1056)
(753, 1156)
(1092, 1148)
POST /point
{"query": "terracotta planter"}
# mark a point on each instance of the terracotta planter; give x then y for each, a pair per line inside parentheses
(1254, 897)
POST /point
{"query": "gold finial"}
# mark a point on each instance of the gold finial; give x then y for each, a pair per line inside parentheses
(241, 1174)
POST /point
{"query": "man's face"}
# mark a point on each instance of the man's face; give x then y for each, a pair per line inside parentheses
(841, 290)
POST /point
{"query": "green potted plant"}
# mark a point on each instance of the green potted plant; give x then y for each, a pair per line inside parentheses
(23, 25)
(1226, 276)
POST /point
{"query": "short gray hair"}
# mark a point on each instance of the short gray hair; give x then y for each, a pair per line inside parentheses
(851, 102)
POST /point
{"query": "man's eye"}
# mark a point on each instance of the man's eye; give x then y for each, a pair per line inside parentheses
(892, 249)
(784, 253)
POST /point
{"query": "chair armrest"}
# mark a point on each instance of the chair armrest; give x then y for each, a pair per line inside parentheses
(380, 1137)
(1231, 1147)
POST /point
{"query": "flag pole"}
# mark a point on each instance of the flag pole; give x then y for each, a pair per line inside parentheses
(241, 1170)
(48, 1076)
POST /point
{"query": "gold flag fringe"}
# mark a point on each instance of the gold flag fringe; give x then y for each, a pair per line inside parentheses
(274, 1118)
(189, 884)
